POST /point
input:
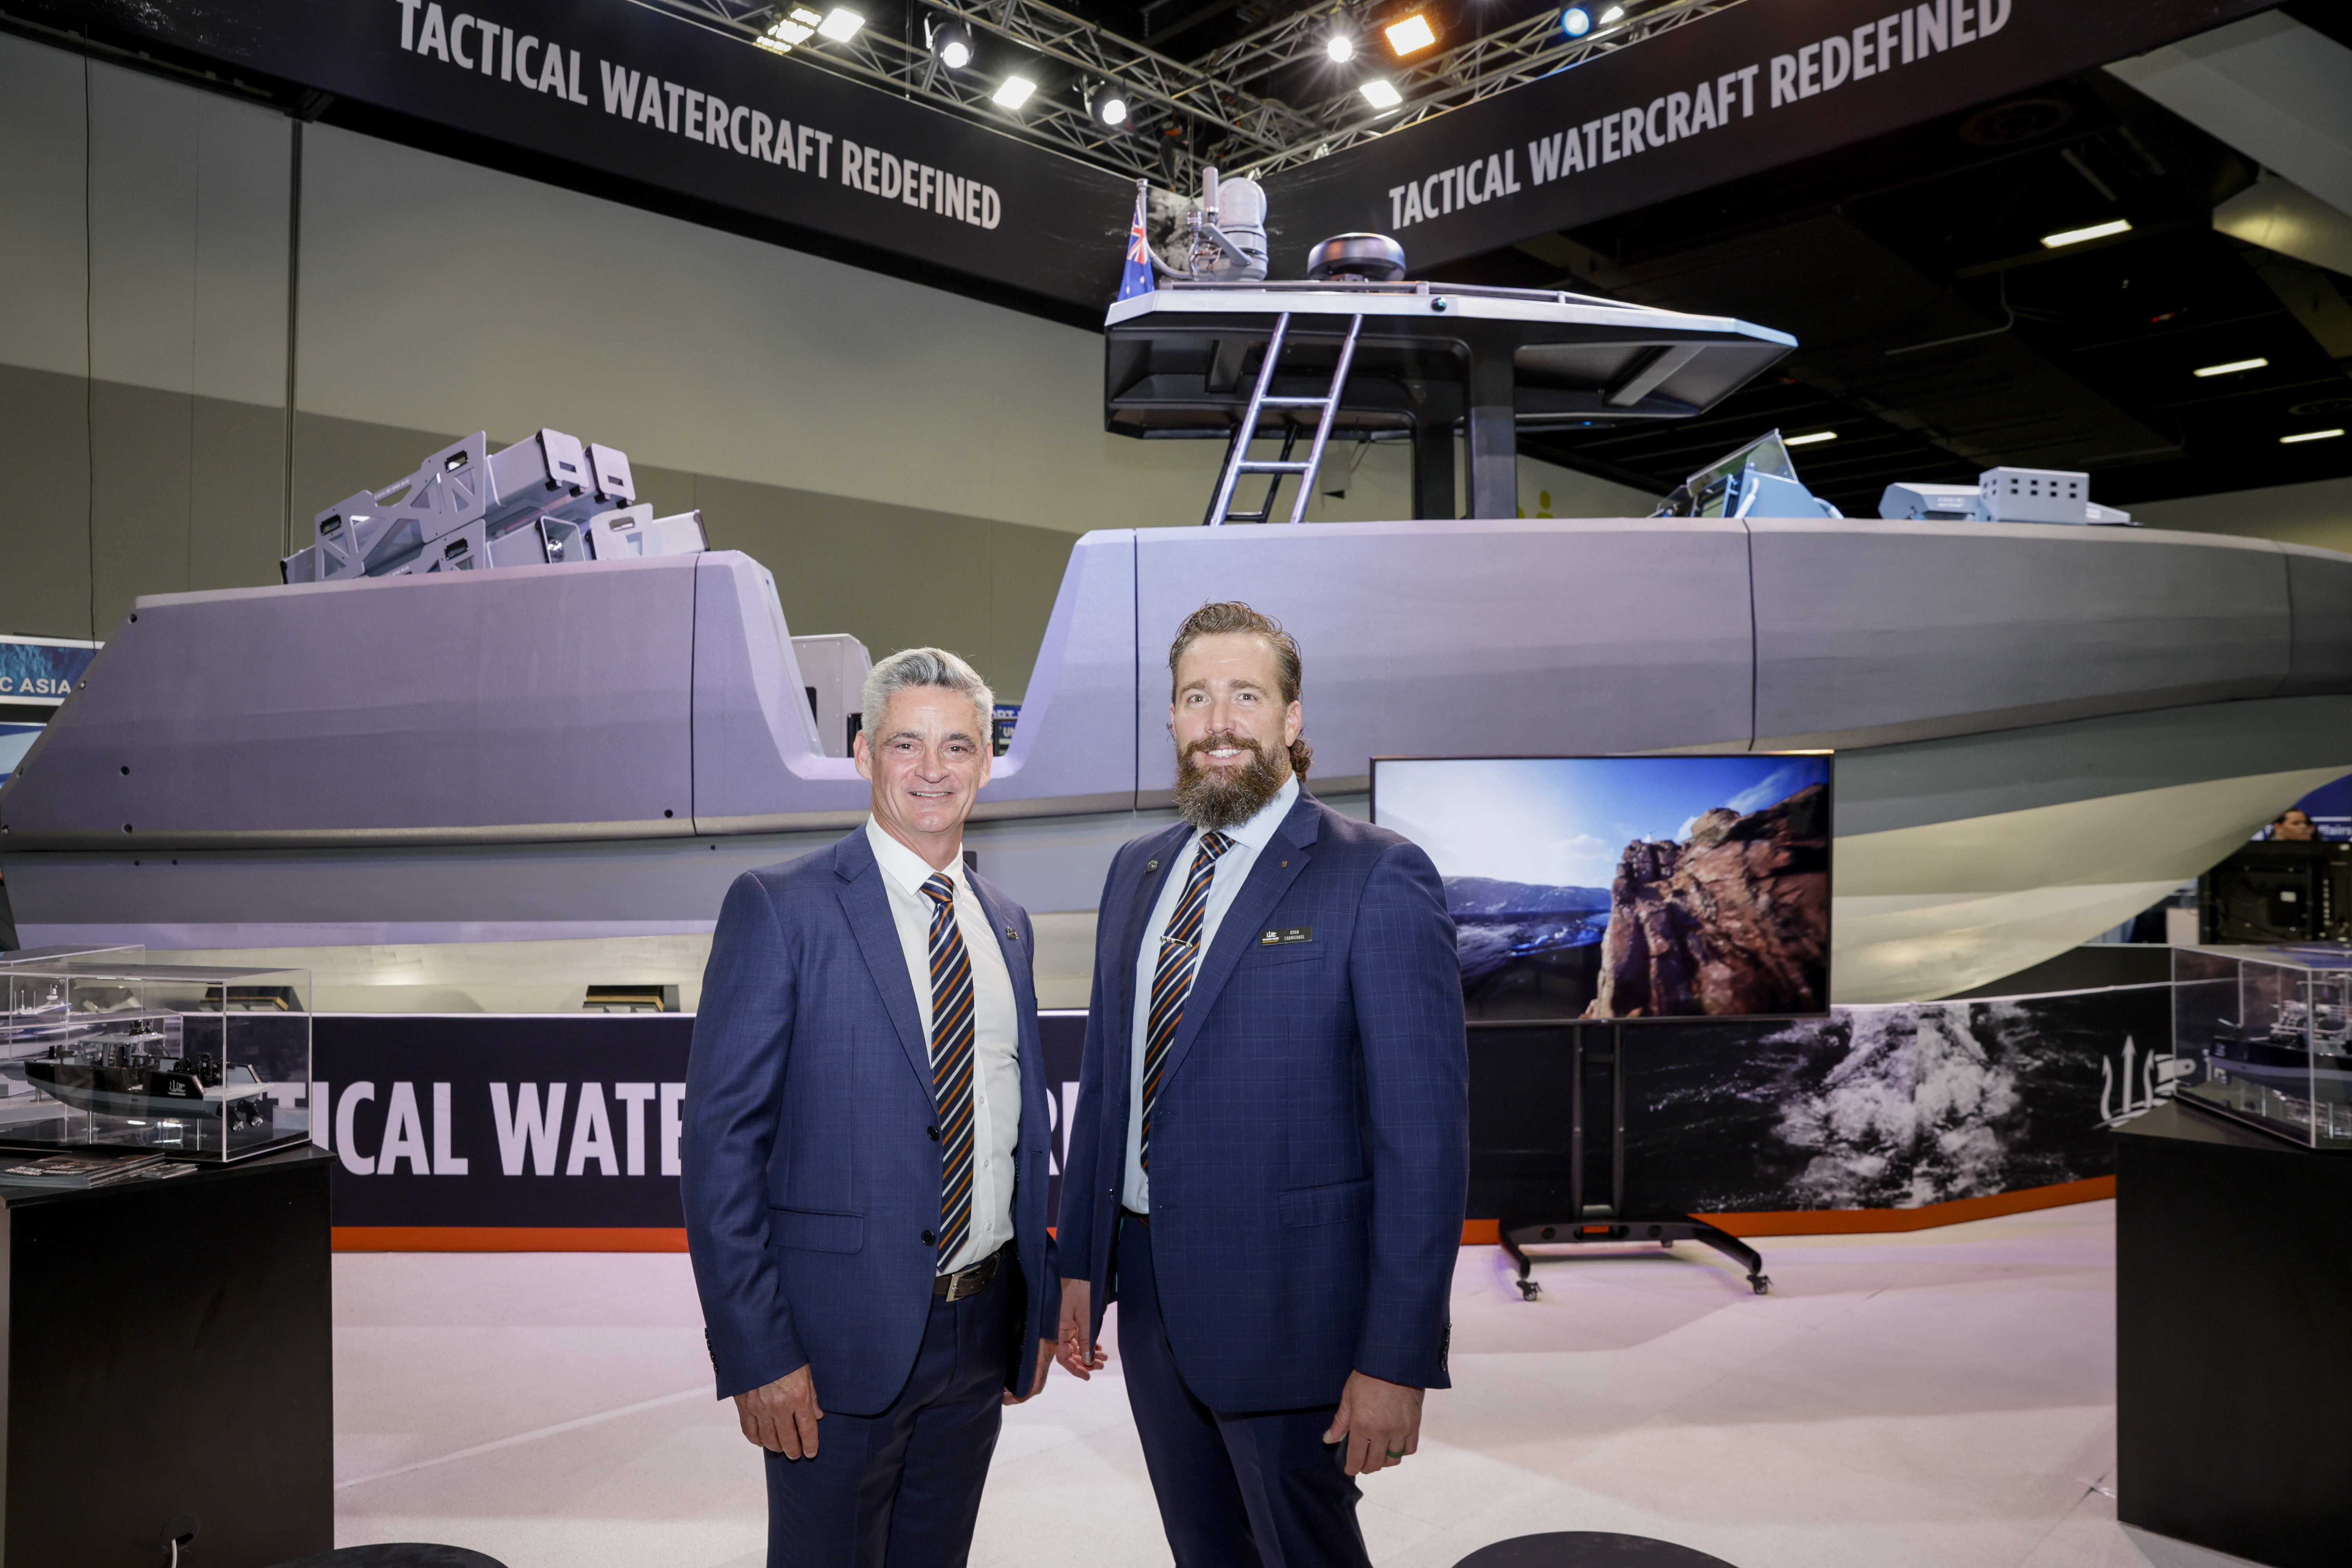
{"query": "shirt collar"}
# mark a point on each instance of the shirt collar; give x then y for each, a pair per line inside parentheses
(1259, 828)
(907, 870)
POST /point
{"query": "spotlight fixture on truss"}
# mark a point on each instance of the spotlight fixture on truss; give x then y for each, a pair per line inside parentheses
(1108, 102)
(950, 44)
(1411, 36)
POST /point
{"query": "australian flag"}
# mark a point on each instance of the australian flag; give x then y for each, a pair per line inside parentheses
(1136, 276)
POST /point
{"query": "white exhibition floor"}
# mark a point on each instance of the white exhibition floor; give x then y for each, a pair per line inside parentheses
(1941, 1398)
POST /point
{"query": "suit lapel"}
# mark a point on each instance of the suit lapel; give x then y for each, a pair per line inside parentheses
(866, 903)
(1162, 850)
(1286, 855)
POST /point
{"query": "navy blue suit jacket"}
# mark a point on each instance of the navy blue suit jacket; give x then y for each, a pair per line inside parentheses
(810, 1169)
(1310, 1145)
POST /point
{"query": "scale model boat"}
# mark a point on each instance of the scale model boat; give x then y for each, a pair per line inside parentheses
(136, 1077)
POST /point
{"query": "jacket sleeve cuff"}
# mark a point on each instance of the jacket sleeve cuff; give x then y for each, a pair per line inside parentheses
(759, 1371)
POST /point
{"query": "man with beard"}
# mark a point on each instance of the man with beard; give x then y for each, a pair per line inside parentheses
(1269, 1154)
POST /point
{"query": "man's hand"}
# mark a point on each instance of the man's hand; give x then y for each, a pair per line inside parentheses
(781, 1416)
(1381, 1421)
(1045, 1364)
(1079, 1353)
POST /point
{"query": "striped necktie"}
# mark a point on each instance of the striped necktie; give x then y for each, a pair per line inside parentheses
(1180, 957)
(951, 1064)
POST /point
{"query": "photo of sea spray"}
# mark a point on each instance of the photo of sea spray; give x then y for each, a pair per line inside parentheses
(1626, 886)
(1890, 1106)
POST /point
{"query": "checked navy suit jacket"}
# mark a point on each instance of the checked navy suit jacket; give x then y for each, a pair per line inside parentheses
(810, 1172)
(1310, 1143)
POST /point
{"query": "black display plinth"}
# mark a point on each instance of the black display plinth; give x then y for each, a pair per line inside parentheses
(169, 1353)
(2233, 1285)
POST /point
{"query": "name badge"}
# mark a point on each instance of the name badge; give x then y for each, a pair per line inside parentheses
(1285, 935)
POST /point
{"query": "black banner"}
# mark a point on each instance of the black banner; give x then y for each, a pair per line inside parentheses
(652, 97)
(1746, 89)
(540, 1120)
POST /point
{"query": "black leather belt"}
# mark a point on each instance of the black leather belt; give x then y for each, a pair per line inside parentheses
(969, 1281)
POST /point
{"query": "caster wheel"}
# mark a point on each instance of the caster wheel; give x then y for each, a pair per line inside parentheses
(1762, 1284)
(1529, 1289)
(1668, 1243)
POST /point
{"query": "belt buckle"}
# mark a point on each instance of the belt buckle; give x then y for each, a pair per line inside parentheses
(971, 1281)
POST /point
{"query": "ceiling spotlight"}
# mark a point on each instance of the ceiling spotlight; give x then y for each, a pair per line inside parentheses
(2309, 435)
(2232, 368)
(1108, 104)
(1381, 93)
(2077, 235)
(1411, 36)
(796, 25)
(1614, 14)
(1817, 435)
(951, 44)
(1013, 92)
(1576, 21)
(840, 26)
(1341, 47)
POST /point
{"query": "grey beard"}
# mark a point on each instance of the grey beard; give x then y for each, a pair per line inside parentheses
(1213, 805)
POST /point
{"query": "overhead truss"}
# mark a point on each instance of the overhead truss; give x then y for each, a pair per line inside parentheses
(1221, 97)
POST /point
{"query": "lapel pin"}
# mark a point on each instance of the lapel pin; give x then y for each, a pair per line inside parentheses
(1011, 934)
(1151, 865)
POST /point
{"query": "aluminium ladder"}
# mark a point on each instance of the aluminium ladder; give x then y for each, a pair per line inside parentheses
(1239, 462)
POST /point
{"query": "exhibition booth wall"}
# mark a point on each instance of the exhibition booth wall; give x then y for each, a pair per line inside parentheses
(559, 1132)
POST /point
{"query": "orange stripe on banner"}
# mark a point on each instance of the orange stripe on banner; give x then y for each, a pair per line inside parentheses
(507, 1239)
(1474, 1233)
(1848, 1222)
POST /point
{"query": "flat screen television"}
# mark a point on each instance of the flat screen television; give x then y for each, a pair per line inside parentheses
(2279, 891)
(1605, 887)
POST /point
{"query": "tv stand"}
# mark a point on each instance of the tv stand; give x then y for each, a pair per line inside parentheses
(1597, 1223)
(1664, 1229)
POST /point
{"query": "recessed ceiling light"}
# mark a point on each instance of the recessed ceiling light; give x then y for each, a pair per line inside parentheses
(1412, 35)
(1381, 93)
(2077, 235)
(841, 26)
(2309, 435)
(2232, 368)
(1808, 440)
(1013, 91)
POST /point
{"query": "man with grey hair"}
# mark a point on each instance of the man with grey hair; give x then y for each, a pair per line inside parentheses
(865, 1161)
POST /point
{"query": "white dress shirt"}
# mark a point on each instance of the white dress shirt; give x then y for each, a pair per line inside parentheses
(1232, 870)
(996, 1036)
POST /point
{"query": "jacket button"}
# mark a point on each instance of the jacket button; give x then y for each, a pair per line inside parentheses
(933, 1133)
(930, 1240)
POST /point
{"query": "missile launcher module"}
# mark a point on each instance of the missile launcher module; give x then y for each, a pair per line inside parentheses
(549, 500)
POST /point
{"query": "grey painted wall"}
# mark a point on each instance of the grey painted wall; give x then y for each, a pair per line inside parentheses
(911, 464)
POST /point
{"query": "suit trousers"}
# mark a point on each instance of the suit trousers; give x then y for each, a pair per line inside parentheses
(1259, 1490)
(901, 1489)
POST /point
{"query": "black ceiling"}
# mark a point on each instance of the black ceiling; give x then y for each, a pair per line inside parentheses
(1875, 255)
(1939, 336)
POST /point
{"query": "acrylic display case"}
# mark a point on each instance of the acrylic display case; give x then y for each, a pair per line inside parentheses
(2264, 1035)
(195, 1064)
